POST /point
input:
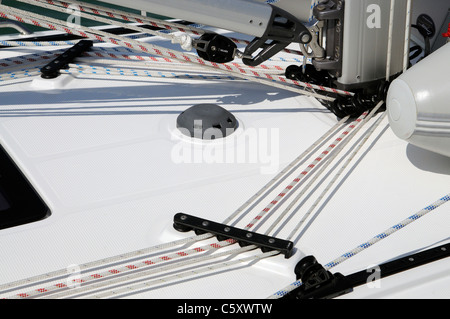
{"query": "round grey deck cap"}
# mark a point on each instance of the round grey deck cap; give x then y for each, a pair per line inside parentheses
(207, 122)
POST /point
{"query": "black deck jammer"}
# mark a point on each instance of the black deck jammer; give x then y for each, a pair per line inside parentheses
(52, 70)
(184, 223)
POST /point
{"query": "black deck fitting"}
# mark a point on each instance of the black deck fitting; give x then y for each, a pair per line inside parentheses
(184, 223)
(52, 70)
(318, 283)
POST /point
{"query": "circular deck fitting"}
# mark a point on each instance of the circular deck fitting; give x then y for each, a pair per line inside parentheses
(207, 122)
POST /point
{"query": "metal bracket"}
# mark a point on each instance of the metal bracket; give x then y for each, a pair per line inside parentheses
(184, 223)
(317, 51)
(282, 30)
(331, 13)
(15, 25)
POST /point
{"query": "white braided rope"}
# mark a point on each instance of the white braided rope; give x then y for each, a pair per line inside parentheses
(390, 40)
(143, 273)
(336, 176)
(145, 285)
(24, 73)
(157, 63)
(122, 258)
(34, 44)
(17, 43)
(126, 51)
(279, 177)
(143, 74)
(407, 35)
(53, 288)
(322, 169)
(307, 170)
(27, 61)
(128, 271)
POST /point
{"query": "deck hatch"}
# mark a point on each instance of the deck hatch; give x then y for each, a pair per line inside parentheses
(19, 202)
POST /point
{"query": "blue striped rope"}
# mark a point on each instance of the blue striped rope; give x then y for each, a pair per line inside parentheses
(369, 243)
(86, 69)
(15, 43)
